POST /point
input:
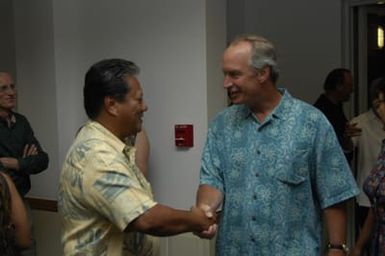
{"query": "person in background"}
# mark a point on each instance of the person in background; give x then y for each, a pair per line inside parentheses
(274, 164)
(367, 146)
(20, 152)
(15, 232)
(374, 187)
(105, 203)
(142, 145)
(338, 87)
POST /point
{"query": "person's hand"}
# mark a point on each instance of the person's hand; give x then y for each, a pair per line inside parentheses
(29, 150)
(212, 229)
(10, 163)
(351, 130)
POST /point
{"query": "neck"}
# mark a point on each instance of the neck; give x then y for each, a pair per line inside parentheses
(5, 113)
(109, 124)
(264, 107)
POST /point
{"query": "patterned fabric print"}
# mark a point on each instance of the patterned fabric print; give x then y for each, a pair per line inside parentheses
(101, 192)
(277, 176)
(374, 187)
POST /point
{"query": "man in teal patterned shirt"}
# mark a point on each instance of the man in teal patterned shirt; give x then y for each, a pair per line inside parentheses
(274, 164)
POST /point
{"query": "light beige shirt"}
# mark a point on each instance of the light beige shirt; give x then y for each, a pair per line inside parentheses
(101, 191)
(368, 145)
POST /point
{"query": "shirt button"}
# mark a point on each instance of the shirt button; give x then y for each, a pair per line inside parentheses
(255, 196)
(256, 174)
(252, 239)
(253, 218)
(258, 152)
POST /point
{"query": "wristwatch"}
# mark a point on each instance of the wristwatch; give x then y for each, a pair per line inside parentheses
(342, 247)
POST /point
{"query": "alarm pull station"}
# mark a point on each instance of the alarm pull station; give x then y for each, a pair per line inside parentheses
(184, 135)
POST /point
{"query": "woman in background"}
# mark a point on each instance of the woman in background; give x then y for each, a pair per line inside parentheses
(374, 187)
(15, 231)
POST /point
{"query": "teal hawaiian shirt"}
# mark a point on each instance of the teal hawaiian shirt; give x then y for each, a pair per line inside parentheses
(276, 176)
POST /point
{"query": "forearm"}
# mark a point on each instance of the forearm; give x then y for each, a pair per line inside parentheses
(367, 230)
(10, 163)
(34, 164)
(19, 216)
(336, 220)
(162, 220)
(209, 196)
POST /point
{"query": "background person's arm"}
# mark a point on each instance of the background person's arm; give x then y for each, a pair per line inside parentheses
(19, 216)
(365, 234)
(142, 146)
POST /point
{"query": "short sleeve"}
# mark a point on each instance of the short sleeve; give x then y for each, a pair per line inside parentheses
(115, 191)
(211, 171)
(333, 178)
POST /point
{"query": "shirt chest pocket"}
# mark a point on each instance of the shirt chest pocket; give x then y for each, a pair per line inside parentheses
(293, 169)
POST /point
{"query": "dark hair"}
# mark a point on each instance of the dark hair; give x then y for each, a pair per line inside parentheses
(377, 87)
(334, 78)
(7, 231)
(106, 78)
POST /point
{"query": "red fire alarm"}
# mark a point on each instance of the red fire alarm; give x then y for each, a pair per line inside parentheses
(184, 135)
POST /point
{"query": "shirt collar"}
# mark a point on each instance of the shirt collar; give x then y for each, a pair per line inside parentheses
(99, 128)
(10, 120)
(126, 148)
(281, 111)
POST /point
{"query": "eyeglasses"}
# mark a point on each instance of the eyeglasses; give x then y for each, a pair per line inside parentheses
(7, 88)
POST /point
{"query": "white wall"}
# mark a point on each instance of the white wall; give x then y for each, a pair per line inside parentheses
(35, 63)
(7, 43)
(307, 35)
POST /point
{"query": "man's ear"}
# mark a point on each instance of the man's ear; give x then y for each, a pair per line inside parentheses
(110, 105)
(263, 74)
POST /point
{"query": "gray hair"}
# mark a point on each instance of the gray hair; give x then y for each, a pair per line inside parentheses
(262, 53)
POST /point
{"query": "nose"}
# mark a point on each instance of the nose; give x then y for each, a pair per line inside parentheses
(145, 107)
(227, 82)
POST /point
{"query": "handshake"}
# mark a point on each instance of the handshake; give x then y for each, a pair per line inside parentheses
(207, 221)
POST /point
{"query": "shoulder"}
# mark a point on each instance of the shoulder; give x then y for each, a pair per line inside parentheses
(304, 110)
(20, 117)
(232, 113)
(229, 118)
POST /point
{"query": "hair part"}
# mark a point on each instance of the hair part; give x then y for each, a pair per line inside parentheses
(262, 55)
(335, 78)
(106, 78)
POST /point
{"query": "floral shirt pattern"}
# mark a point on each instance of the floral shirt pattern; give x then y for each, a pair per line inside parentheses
(101, 191)
(276, 177)
(374, 187)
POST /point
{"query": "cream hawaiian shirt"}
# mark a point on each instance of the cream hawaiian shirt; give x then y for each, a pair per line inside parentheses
(101, 191)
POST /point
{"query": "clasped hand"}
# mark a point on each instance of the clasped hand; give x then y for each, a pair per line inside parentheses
(211, 229)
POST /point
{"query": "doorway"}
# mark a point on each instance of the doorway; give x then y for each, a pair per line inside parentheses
(364, 51)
